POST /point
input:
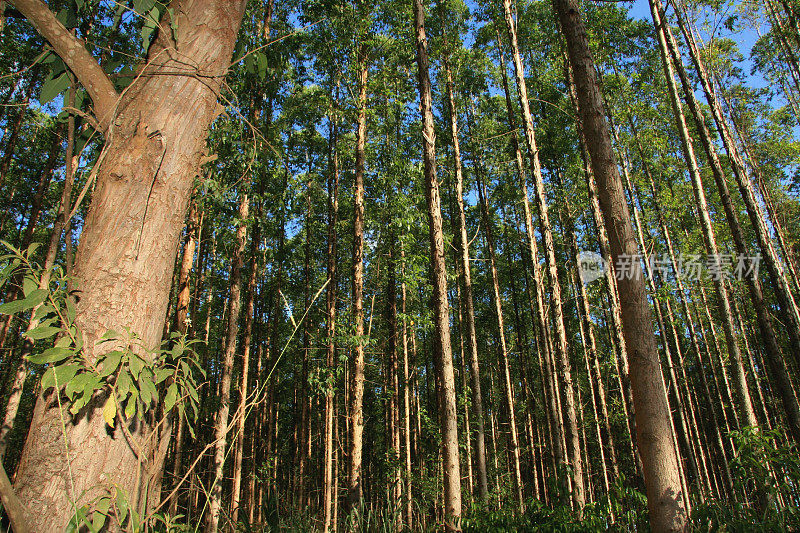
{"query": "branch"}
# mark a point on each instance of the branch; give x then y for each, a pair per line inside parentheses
(75, 55)
(12, 505)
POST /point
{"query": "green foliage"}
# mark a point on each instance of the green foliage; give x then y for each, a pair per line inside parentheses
(127, 375)
(625, 504)
(764, 470)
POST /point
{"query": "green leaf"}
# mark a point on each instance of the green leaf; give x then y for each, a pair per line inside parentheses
(100, 513)
(67, 17)
(59, 375)
(64, 342)
(110, 411)
(52, 87)
(43, 311)
(171, 397)
(261, 59)
(124, 383)
(147, 389)
(130, 407)
(162, 374)
(29, 285)
(150, 24)
(70, 310)
(12, 308)
(111, 363)
(85, 383)
(109, 335)
(136, 365)
(122, 505)
(42, 332)
(51, 355)
(143, 6)
(36, 297)
(193, 394)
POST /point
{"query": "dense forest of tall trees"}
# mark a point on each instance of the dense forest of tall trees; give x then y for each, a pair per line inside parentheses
(460, 265)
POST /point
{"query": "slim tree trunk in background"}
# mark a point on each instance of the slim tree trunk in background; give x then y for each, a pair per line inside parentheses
(355, 481)
(745, 403)
(130, 237)
(441, 311)
(303, 427)
(392, 380)
(407, 393)
(597, 389)
(247, 342)
(13, 136)
(654, 431)
(45, 177)
(228, 355)
(21, 374)
(469, 307)
(8, 153)
(181, 324)
(503, 352)
(539, 311)
(330, 307)
(790, 313)
(561, 353)
(184, 290)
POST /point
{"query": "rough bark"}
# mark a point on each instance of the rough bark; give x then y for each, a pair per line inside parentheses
(247, 342)
(441, 311)
(355, 482)
(654, 431)
(330, 325)
(124, 263)
(221, 424)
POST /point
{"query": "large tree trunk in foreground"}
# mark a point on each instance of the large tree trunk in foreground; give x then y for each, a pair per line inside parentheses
(653, 428)
(126, 256)
(441, 311)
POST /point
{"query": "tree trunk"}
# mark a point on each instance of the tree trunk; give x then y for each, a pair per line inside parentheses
(221, 426)
(539, 311)
(247, 341)
(330, 307)
(355, 482)
(124, 263)
(743, 393)
(441, 311)
(184, 290)
(654, 431)
(503, 351)
(790, 313)
(571, 434)
(469, 307)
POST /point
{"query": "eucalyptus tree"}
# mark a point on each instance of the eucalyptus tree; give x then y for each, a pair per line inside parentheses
(151, 137)
(654, 431)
